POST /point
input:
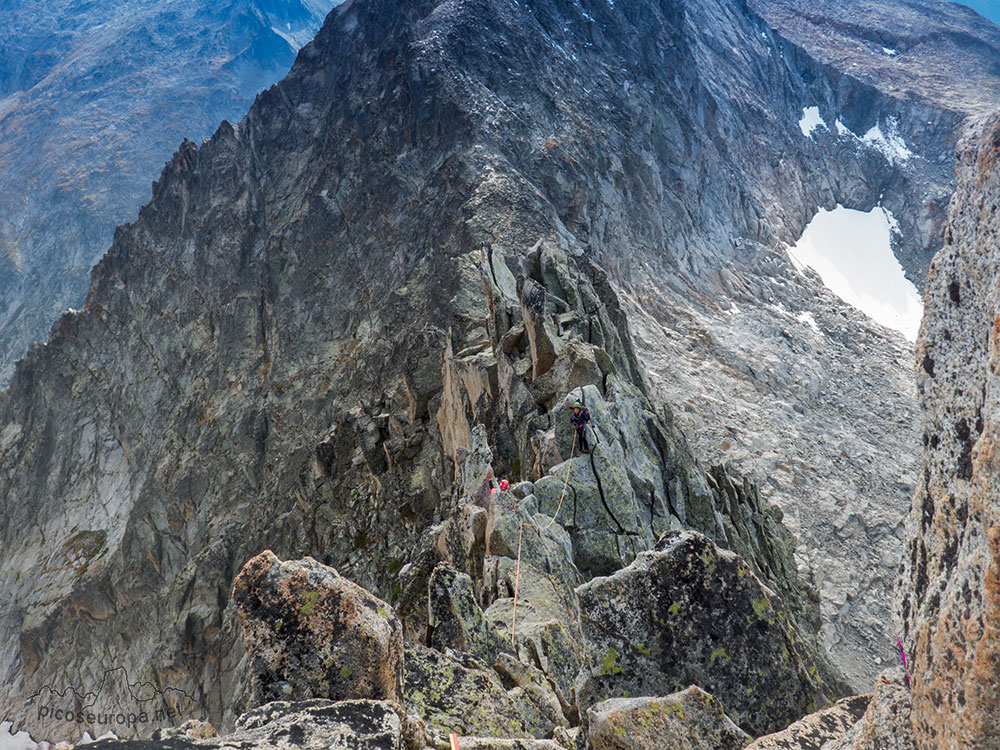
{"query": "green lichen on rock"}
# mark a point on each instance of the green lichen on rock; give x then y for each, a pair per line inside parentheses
(457, 693)
(309, 599)
(456, 619)
(690, 719)
(682, 614)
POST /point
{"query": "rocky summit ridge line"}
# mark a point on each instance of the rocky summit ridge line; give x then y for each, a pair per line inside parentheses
(295, 343)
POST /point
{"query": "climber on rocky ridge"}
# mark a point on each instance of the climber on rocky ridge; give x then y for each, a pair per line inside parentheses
(580, 419)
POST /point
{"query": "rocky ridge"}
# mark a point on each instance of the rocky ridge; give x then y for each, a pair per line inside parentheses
(328, 662)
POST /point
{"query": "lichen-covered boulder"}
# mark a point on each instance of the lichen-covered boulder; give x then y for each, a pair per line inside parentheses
(689, 613)
(691, 719)
(456, 619)
(453, 692)
(311, 633)
(548, 620)
(535, 686)
(814, 731)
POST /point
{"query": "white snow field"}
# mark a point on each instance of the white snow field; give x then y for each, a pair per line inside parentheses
(18, 741)
(851, 252)
(810, 120)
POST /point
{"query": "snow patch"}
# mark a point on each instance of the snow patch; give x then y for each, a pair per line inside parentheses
(890, 143)
(852, 253)
(18, 741)
(810, 121)
(887, 142)
(807, 318)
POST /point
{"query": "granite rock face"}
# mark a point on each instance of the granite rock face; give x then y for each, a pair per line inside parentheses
(455, 618)
(311, 633)
(453, 692)
(887, 724)
(948, 596)
(691, 719)
(687, 613)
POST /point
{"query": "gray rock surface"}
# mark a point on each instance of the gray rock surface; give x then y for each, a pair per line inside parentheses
(310, 633)
(453, 692)
(887, 724)
(691, 719)
(823, 422)
(686, 613)
(817, 730)
(456, 620)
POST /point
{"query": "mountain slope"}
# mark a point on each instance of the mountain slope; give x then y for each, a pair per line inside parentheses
(93, 98)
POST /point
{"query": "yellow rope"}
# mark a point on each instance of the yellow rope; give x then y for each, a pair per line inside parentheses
(520, 530)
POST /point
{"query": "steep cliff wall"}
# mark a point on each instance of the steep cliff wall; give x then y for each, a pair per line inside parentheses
(949, 594)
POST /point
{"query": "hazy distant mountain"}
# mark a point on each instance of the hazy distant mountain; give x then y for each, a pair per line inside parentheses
(94, 97)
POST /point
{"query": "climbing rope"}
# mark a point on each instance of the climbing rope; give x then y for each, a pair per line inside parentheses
(539, 530)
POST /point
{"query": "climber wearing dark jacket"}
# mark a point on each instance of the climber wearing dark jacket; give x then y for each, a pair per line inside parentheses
(580, 418)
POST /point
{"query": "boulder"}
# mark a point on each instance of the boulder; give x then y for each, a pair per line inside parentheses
(454, 692)
(817, 729)
(281, 725)
(688, 612)
(311, 633)
(456, 619)
(886, 725)
(536, 687)
(691, 719)
(459, 540)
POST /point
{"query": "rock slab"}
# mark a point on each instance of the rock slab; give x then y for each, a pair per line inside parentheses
(311, 633)
(691, 719)
(688, 612)
(949, 599)
(816, 730)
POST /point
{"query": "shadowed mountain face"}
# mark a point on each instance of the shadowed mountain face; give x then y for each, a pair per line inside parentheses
(93, 98)
(290, 346)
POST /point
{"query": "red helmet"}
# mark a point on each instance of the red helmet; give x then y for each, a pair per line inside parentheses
(504, 484)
